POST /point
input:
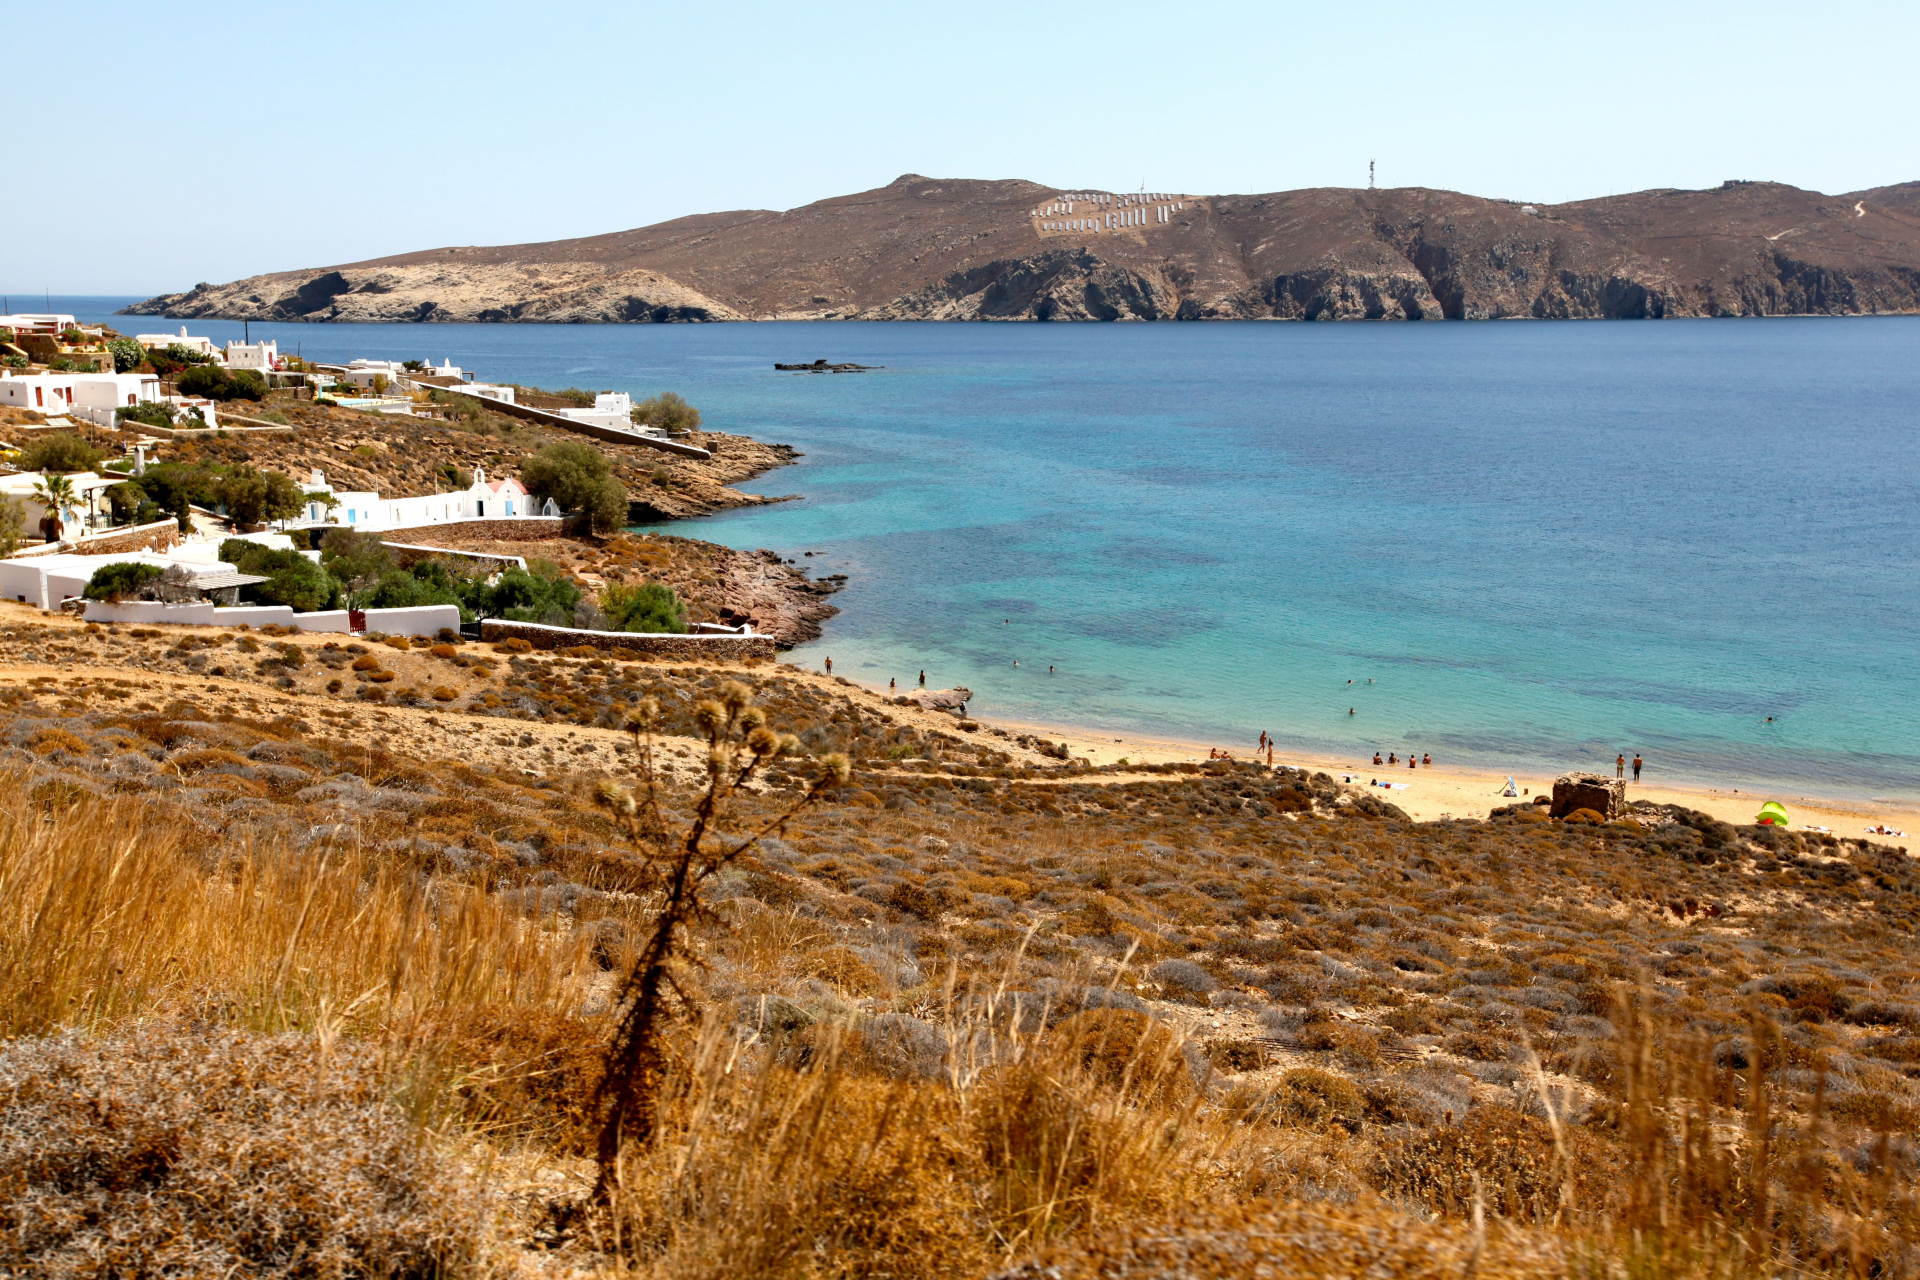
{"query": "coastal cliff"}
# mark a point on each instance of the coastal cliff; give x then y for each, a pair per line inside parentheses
(927, 249)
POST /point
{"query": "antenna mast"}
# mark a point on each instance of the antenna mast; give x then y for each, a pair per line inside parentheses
(1369, 175)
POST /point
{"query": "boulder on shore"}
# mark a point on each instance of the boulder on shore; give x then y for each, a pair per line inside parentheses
(1573, 792)
(954, 700)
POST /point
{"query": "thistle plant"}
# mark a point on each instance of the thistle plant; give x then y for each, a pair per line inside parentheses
(680, 865)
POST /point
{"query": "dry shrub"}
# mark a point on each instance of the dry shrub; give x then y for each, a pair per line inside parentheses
(381, 677)
(845, 970)
(1306, 1098)
(1129, 1052)
(46, 741)
(819, 1173)
(442, 693)
(366, 662)
(513, 644)
(194, 761)
(174, 1154)
(1506, 1158)
(444, 651)
(401, 643)
(517, 1071)
(1298, 1242)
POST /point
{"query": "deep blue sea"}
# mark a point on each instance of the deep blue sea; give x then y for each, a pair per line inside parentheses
(1527, 545)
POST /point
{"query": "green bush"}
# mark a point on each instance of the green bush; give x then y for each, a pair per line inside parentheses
(13, 525)
(543, 595)
(650, 607)
(578, 477)
(150, 413)
(217, 384)
(668, 411)
(115, 582)
(128, 355)
(292, 579)
(61, 452)
(185, 355)
(253, 497)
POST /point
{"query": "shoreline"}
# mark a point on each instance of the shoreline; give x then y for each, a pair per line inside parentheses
(1465, 791)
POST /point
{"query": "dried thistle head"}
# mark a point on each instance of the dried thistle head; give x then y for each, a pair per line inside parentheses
(789, 744)
(609, 794)
(838, 768)
(710, 716)
(753, 717)
(643, 716)
(764, 743)
(735, 695)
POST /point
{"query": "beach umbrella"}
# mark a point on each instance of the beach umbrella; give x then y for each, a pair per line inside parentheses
(1772, 813)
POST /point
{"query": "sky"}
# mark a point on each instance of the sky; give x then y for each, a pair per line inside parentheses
(210, 141)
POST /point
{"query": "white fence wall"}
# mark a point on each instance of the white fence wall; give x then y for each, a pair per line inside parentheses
(23, 580)
(146, 611)
(426, 620)
(254, 615)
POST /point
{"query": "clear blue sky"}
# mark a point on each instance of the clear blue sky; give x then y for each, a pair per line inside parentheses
(156, 145)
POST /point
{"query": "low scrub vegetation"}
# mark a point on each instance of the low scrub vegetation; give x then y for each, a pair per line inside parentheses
(959, 1017)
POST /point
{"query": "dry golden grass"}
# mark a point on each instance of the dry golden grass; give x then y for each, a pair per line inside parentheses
(1179, 1032)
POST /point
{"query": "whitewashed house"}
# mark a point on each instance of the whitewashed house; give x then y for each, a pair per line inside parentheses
(610, 409)
(91, 395)
(263, 355)
(368, 512)
(161, 341)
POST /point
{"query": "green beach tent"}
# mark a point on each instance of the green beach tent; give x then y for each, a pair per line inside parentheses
(1772, 813)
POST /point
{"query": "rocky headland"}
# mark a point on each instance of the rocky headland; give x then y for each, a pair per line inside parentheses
(931, 249)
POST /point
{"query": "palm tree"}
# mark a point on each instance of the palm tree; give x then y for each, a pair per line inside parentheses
(56, 494)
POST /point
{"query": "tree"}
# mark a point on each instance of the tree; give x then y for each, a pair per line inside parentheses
(651, 607)
(13, 525)
(121, 579)
(56, 494)
(292, 579)
(544, 595)
(129, 502)
(380, 384)
(357, 560)
(176, 486)
(62, 451)
(253, 497)
(669, 411)
(578, 477)
(128, 355)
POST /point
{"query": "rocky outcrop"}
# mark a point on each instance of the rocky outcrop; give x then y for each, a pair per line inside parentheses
(931, 249)
(1573, 792)
(372, 293)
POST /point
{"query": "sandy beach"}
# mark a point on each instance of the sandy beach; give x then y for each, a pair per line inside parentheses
(1442, 791)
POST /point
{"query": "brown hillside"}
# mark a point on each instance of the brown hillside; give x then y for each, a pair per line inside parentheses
(923, 248)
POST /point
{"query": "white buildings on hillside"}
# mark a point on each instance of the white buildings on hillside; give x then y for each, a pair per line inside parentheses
(263, 355)
(85, 513)
(610, 409)
(24, 323)
(161, 341)
(77, 392)
(368, 512)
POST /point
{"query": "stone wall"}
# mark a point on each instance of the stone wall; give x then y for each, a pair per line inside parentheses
(158, 536)
(672, 647)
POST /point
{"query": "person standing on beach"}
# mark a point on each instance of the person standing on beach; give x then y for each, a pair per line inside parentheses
(829, 666)
(1619, 766)
(923, 679)
(892, 683)
(1636, 766)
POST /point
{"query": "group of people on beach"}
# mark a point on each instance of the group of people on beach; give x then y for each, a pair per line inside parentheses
(1423, 760)
(1620, 766)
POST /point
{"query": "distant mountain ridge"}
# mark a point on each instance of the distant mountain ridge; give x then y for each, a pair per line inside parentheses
(962, 249)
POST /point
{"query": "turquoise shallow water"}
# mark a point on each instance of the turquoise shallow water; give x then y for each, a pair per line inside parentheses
(1542, 543)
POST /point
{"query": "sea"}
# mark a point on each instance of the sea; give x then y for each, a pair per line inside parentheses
(1524, 546)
